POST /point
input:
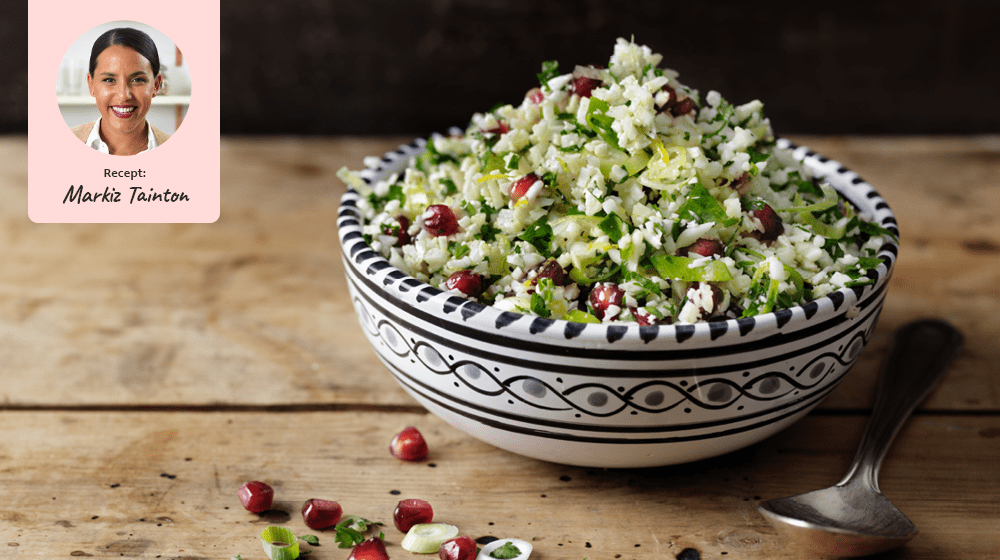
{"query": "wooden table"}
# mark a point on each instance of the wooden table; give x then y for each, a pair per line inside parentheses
(147, 371)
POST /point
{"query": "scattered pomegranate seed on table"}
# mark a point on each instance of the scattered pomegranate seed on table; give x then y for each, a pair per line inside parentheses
(458, 548)
(412, 512)
(409, 445)
(321, 514)
(256, 496)
(371, 549)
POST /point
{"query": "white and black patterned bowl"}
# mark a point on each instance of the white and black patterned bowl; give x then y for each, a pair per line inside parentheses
(618, 395)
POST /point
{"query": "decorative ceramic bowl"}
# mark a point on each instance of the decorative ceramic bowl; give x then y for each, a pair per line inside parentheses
(611, 395)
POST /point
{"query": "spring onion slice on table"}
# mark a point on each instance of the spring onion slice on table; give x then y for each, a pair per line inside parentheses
(427, 538)
(280, 543)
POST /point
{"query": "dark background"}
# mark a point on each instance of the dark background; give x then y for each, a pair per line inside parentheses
(389, 67)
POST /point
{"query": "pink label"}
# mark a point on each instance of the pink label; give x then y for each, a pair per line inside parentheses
(177, 181)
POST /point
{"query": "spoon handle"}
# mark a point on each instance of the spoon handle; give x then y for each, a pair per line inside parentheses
(917, 359)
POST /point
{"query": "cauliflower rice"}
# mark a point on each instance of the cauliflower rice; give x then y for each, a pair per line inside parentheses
(619, 194)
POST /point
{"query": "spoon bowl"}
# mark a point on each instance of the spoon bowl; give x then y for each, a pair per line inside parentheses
(848, 521)
(853, 518)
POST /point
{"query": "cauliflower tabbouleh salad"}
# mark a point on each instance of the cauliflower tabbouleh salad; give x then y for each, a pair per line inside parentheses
(619, 194)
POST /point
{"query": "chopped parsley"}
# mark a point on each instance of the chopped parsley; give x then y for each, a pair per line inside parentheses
(550, 69)
(436, 157)
(703, 207)
(458, 250)
(600, 123)
(539, 234)
(395, 192)
(488, 232)
(613, 226)
(450, 187)
(505, 552)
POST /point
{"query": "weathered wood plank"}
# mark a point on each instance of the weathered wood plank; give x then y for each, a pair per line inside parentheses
(252, 309)
(164, 485)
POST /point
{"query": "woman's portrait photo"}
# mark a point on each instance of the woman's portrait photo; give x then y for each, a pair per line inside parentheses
(125, 77)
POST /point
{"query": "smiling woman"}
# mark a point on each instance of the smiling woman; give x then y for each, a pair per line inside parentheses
(124, 77)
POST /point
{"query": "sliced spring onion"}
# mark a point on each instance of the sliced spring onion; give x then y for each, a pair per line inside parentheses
(577, 275)
(492, 550)
(829, 200)
(632, 164)
(797, 281)
(772, 296)
(498, 257)
(578, 316)
(352, 179)
(427, 538)
(280, 543)
(835, 231)
(600, 123)
(637, 162)
(679, 268)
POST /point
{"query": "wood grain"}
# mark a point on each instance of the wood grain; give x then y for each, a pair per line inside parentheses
(252, 311)
(164, 485)
(146, 371)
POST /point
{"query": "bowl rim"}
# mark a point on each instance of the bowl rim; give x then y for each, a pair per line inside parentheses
(847, 183)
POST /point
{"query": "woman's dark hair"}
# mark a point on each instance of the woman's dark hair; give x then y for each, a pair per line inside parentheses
(127, 37)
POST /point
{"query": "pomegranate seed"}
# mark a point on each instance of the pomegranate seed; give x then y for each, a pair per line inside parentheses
(320, 514)
(409, 445)
(673, 97)
(458, 548)
(643, 317)
(440, 220)
(256, 496)
(771, 222)
(683, 107)
(550, 269)
(603, 296)
(371, 549)
(741, 184)
(465, 281)
(676, 106)
(583, 86)
(704, 247)
(500, 129)
(717, 297)
(535, 95)
(402, 235)
(522, 186)
(411, 512)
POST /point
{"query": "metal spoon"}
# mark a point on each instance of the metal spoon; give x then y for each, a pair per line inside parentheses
(853, 518)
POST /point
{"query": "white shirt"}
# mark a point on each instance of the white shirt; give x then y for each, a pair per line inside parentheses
(95, 142)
